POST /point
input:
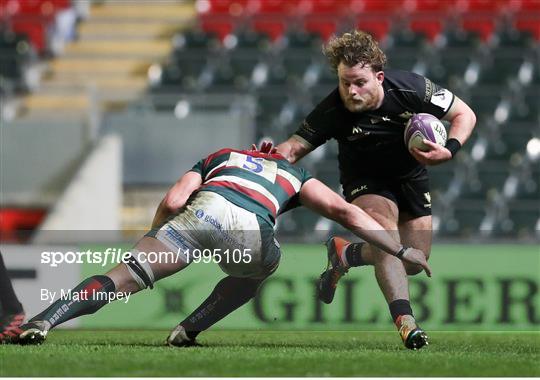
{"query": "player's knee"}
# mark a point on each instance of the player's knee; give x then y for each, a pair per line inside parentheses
(412, 269)
(140, 270)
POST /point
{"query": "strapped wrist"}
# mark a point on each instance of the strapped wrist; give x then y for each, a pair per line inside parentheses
(453, 145)
(401, 252)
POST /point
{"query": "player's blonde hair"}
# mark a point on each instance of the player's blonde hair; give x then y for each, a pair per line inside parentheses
(352, 48)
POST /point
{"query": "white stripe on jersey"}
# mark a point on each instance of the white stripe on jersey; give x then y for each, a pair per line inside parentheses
(250, 185)
(295, 183)
(217, 167)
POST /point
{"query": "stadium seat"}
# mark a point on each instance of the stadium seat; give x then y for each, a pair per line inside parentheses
(484, 102)
(428, 26)
(36, 28)
(528, 22)
(521, 219)
(501, 69)
(230, 8)
(479, 7)
(296, 65)
(323, 26)
(465, 220)
(223, 80)
(270, 104)
(220, 27)
(441, 177)
(527, 185)
(402, 58)
(18, 223)
(511, 38)
(434, 8)
(243, 65)
(483, 25)
(16, 54)
(485, 181)
(406, 38)
(273, 27)
(248, 40)
(326, 75)
(525, 110)
(195, 40)
(376, 7)
(300, 40)
(280, 8)
(527, 5)
(449, 68)
(515, 138)
(378, 27)
(457, 38)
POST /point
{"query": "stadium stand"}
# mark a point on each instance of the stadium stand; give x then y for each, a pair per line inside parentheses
(487, 52)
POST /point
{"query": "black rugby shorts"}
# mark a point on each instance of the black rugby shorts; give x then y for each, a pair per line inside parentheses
(411, 194)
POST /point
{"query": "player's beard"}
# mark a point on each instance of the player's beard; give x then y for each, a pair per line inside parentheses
(365, 103)
(355, 106)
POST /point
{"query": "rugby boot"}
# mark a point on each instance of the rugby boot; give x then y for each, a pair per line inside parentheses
(10, 327)
(33, 332)
(179, 338)
(412, 335)
(335, 269)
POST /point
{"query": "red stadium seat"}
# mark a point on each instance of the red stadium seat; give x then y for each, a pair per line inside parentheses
(219, 26)
(14, 220)
(322, 26)
(272, 7)
(527, 5)
(321, 7)
(428, 26)
(529, 23)
(435, 7)
(480, 6)
(273, 27)
(234, 8)
(377, 27)
(375, 6)
(35, 28)
(36, 7)
(484, 26)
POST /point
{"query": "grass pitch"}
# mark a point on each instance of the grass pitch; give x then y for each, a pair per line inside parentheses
(272, 353)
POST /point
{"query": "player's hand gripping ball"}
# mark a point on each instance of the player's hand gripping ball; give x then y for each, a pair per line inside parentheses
(424, 126)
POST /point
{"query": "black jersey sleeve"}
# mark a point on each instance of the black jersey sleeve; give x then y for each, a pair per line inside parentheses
(434, 99)
(317, 127)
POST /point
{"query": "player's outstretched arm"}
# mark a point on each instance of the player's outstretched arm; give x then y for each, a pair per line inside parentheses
(321, 199)
(176, 197)
(293, 149)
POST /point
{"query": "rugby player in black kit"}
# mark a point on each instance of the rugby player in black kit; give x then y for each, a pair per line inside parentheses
(367, 114)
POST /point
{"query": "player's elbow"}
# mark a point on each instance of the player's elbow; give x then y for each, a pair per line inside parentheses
(171, 204)
(472, 119)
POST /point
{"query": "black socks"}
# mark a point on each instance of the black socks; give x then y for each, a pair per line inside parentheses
(353, 253)
(228, 295)
(400, 307)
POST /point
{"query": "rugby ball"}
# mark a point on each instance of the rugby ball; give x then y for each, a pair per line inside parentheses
(424, 126)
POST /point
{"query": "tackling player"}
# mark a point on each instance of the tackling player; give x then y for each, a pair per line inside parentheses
(11, 310)
(366, 114)
(227, 201)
